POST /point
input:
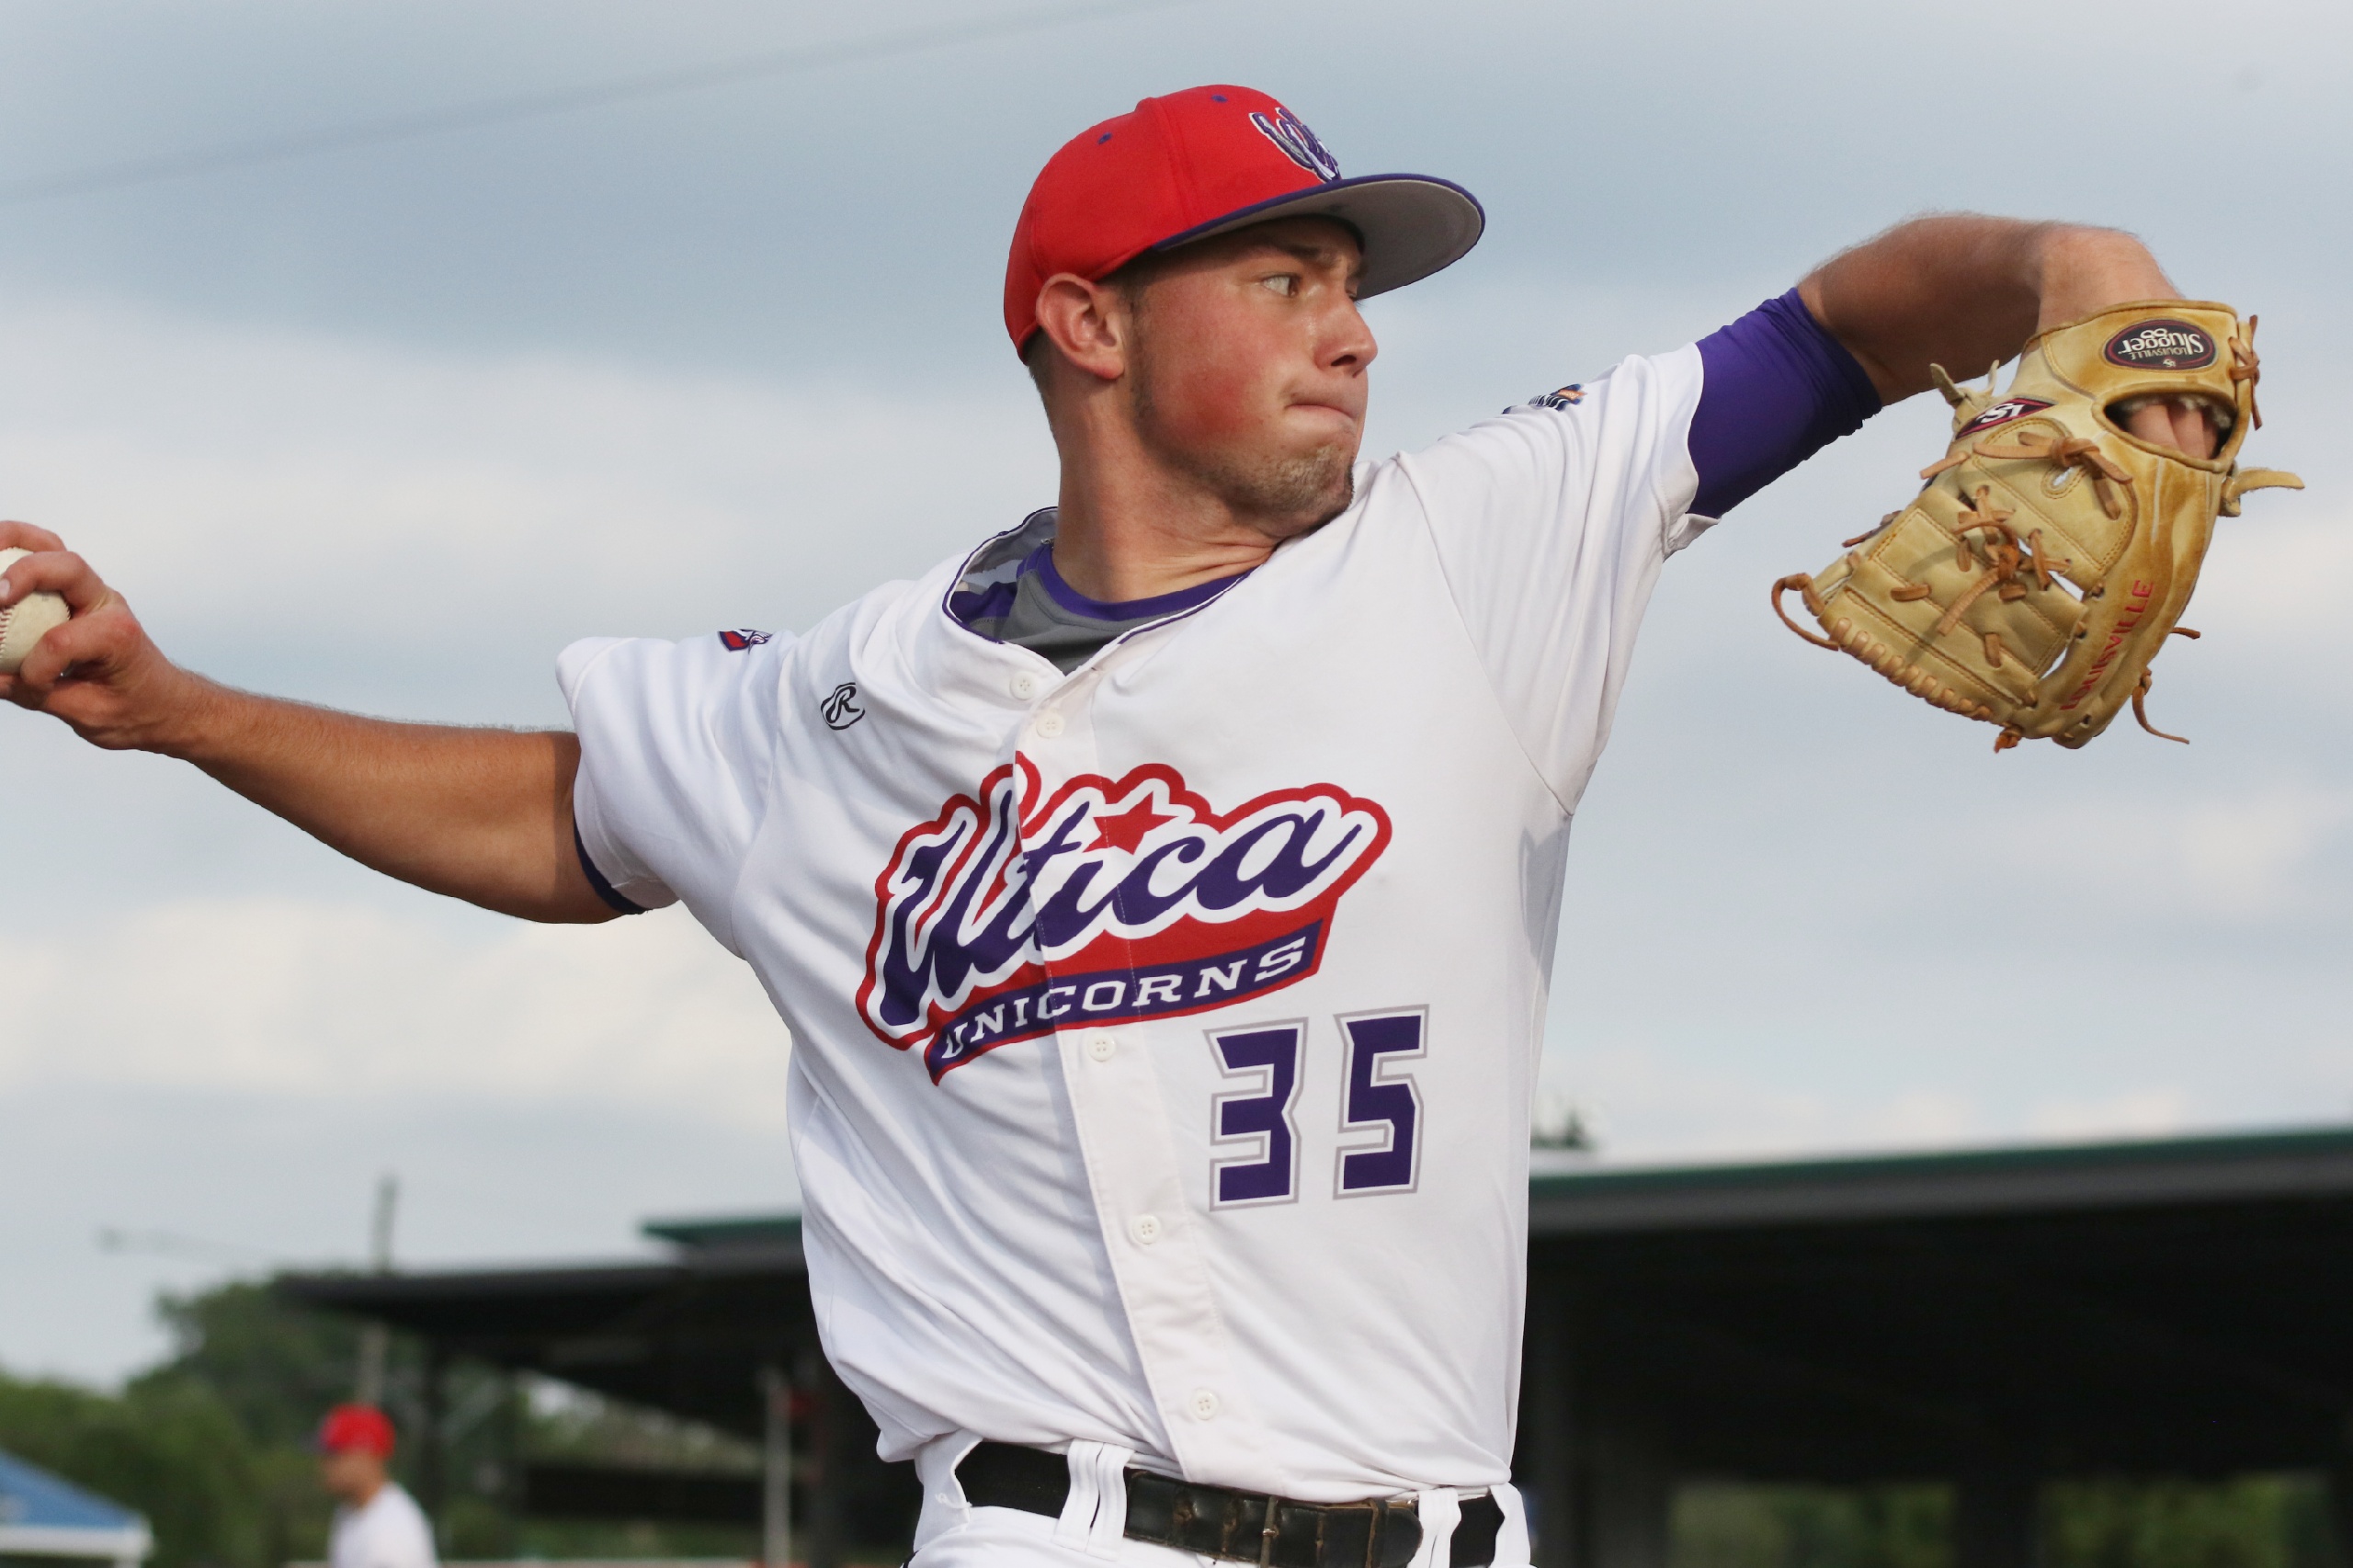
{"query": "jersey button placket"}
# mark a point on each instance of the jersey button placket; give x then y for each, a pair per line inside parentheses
(1124, 1132)
(1155, 1243)
(1040, 731)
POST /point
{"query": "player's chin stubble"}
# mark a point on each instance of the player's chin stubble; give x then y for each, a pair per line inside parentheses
(1282, 496)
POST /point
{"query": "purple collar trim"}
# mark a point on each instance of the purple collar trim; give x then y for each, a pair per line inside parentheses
(1041, 562)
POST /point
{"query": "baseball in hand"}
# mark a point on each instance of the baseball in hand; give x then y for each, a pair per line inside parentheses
(26, 622)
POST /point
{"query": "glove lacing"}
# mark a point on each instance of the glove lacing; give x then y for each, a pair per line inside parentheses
(2108, 476)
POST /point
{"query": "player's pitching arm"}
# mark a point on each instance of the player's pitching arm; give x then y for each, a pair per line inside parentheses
(1963, 291)
(485, 816)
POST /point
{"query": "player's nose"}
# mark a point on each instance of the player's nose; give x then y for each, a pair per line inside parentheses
(1348, 341)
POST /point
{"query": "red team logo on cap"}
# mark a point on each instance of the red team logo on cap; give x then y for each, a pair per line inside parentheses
(1006, 917)
(1298, 142)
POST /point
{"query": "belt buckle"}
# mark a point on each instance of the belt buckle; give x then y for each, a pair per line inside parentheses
(1266, 1532)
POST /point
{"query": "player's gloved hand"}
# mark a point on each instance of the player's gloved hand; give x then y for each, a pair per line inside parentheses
(99, 672)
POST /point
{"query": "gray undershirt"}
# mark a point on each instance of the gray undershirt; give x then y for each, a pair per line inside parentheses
(1038, 623)
(1036, 620)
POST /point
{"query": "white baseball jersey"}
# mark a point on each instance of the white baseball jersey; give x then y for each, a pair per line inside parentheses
(1165, 1032)
(387, 1532)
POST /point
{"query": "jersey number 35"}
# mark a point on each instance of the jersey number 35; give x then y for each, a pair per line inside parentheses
(1380, 1110)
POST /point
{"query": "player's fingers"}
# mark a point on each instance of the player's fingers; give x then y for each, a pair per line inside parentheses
(24, 536)
(2193, 427)
(2185, 424)
(87, 647)
(55, 572)
(2149, 419)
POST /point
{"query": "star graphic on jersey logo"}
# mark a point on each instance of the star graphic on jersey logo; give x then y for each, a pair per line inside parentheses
(1127, 831)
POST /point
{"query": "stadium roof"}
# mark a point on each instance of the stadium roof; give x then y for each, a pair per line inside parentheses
(2165, 1306)
(42, 1516)
(2311, 1163)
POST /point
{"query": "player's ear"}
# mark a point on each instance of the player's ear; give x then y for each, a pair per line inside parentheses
(1088, 322)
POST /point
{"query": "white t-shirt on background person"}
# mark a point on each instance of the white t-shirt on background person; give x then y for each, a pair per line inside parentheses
(387, 1532)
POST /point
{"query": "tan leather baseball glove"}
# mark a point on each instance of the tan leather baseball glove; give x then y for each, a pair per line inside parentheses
(2050, 552)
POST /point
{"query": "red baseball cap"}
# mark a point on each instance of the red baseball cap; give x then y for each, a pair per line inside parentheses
(1202, 162)
(355, 1428)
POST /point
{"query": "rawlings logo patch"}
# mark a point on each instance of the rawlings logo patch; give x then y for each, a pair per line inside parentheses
(1298, 144)
(743, 638)
(2163, 345)
(840, 709)
(1008, 916)
(1565, 398)
(2002, 413)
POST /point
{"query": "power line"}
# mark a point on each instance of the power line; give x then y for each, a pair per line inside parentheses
(490, 112)
(116, 1238)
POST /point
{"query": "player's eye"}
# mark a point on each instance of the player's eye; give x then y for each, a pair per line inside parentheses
(1283, 283)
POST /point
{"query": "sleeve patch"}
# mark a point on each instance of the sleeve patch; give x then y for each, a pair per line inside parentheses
(1559, 398)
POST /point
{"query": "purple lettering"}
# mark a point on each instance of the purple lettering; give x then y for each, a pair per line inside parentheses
(1224, 884)
(924, 952)
(1258, 1118)
(1371, 1099)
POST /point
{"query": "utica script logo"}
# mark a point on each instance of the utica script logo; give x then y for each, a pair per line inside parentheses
(2160, 345)
(1012, 914)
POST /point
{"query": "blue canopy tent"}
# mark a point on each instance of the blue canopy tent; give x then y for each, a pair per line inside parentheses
(43, 1517)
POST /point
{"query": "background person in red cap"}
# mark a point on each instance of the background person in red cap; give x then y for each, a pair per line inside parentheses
(1161, 893)
(377, 1523)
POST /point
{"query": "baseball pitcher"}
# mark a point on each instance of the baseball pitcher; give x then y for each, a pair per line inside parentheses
(1162, 892)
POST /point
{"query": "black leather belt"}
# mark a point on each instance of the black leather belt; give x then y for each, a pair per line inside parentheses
(1241, 1527)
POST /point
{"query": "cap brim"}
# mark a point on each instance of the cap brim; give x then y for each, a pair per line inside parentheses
(1412, 225)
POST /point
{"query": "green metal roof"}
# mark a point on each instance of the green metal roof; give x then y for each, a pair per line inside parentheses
(733, 1231)
(2023, 1177)
(2305, 1162)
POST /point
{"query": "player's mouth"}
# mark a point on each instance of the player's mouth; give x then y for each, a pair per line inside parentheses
(1316, 408)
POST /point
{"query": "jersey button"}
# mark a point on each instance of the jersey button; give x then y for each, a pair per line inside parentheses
(1203, 1404)
(1145, 1228)
(1102, 1047)
(1025, 684)
(1050, 724)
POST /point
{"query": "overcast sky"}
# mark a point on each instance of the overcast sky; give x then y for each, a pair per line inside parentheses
(385, 428)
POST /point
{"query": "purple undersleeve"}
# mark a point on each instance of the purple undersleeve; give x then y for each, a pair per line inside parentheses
(1778, 389)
